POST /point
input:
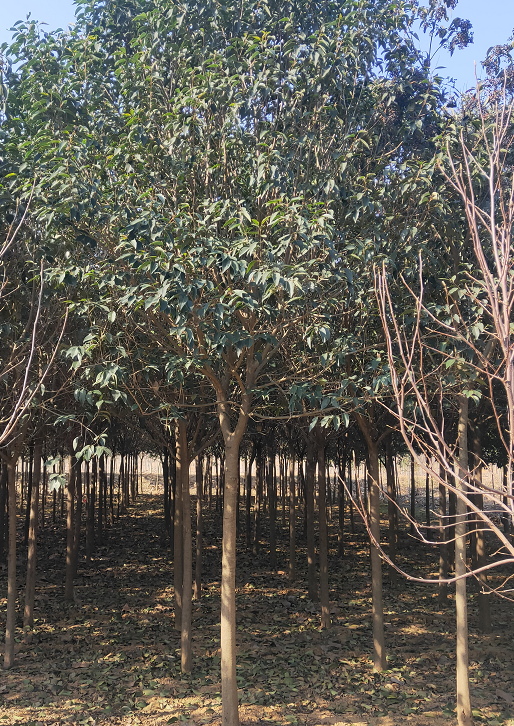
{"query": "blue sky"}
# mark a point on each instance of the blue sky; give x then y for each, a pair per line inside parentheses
(493, 23)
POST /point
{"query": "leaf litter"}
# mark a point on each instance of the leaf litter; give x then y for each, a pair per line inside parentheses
(113, 656)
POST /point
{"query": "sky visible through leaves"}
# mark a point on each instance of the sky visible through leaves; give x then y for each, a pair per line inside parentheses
(493, 23)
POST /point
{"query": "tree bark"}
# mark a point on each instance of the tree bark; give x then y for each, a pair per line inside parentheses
(30, 587)
(10, 626)
(78, 519)
(323, 535)
(443, 547)
(391, 510)
(464, 717)
(228, 585)
(199, 529)
(178, 540)
(484, 610)
(310, 470)
(379, 654)
(3, 508)
(68, 586)
(272, 497)
(187, 551)
(292, 522)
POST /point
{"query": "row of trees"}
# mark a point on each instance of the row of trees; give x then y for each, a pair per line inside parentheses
(220, 219)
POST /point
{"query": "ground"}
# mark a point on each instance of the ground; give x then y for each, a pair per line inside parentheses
(113, 657)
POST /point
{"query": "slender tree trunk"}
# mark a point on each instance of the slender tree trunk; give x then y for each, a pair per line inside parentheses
(427, 499)
(78, 518)
(323, 535)
(379, 654)
(28, 507)
(166, 494)
(68, 587)
(391, 510)
(111, 492)
(272, 496)
(3, 508)
(228, 588)
(10, 626)
(187, 551)
(30, 587)
(412, 497)
(464, 717)
(258, 500)
(89, 530)
(292, 522)
(340, 506)
(484, 610)
(199, 528)
(443, 547)
(310, 470)
(248, 500)
(178, 537)
(101, 493)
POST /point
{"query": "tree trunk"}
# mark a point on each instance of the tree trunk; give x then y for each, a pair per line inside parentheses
(10, 625)
(248, 499)
(464, 717)
(178, 539)
(379, 654)
(187, 551)
(101, 493)
(28, 507)
(228, 588)
(310, 470)
(323, 535)
(340, 506)
(391, 510)
(199, 529)
(292, 523)
(30, 587)
(3, 508)
(412, 498)
(78, 518)
(484, 610)
(257, 503)
(443, 547)
(272, 497)
(68, 586)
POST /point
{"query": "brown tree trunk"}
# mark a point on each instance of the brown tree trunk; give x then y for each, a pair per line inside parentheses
(292, 522)
(379, 654)
(480, 558)
(391, 510)
(68, 586)
(443, 547)
(10, 626)
(178, 540)
(258, 500)
(28, 508)
(272, 496)
(464, 717)
(199, 529)
(228, 588)
(248, 499)
(187, 550)
(101, 493)
(3, 508)
(78, 518)
(412, 497)
(323, 535)
(310, 470)
(30, 587)
(340, 505)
